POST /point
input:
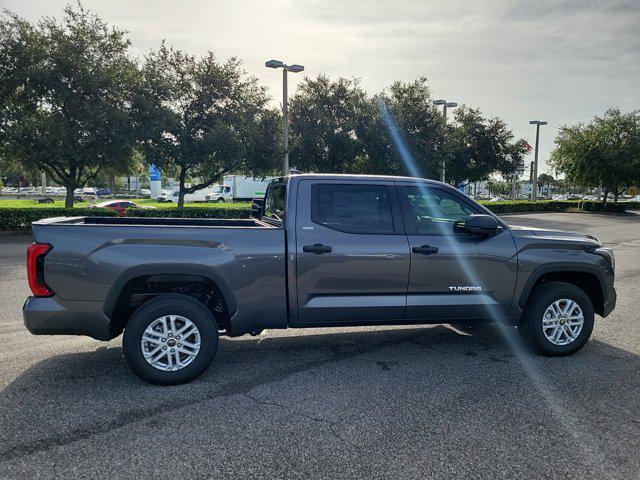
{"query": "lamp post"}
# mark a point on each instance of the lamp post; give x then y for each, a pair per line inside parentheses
(445, 106)
(285, 105)
(534, 184)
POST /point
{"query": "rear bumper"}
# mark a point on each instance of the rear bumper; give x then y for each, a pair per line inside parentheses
(52, 316)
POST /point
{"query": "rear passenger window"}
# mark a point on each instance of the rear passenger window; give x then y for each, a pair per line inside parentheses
(352, 208)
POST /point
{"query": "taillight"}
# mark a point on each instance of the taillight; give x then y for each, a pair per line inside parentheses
(35, 269)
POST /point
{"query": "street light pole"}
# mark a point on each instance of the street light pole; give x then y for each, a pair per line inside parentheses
(445, 106)
(285, 106)
(285, 121)
(534, 184)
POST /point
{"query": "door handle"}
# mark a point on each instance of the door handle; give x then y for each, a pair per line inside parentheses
(317, 248)
(425, 250)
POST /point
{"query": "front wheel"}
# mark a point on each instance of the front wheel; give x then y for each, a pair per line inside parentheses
(558, 319)
(169, 340)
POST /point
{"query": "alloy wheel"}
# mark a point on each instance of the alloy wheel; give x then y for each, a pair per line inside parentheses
(562, 322)
(170, 342)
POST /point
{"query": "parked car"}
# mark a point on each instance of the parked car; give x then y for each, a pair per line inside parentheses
(103, 191)
(164, 194)
(328, 251)
(120, 206)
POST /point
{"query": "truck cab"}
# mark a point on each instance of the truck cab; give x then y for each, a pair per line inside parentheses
(219, 194)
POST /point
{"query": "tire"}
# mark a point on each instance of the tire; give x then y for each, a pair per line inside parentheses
(221, 200)
(532, 325)
(168, 369)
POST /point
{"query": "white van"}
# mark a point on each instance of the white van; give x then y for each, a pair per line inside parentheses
(197, 196)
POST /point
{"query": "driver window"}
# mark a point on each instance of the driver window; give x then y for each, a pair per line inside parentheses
(436, 211)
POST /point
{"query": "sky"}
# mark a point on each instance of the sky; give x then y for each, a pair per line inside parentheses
(561, 61)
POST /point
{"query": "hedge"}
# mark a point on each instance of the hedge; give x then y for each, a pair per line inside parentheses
(19, 219)
(619, 207)
(514, 206)
(226, 211)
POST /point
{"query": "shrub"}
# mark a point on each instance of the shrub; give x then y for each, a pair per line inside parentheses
(509, 206)
(215, 211)
(515, 206)
(591, 206)
(19, 219)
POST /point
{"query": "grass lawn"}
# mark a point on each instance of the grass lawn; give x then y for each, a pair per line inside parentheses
(26, 203)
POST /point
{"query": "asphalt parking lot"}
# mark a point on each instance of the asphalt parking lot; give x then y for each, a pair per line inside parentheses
(397, 402)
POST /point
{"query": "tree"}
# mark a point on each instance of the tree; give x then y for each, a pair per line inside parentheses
(325, 117)
(336, 127)
(604, 153)
(204, 118)
(65, 95)
(545, 179)
(498, 188)
(409, 133)
(477, 147)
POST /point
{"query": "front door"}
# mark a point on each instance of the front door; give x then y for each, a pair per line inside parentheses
(454, 275)
(352, 262)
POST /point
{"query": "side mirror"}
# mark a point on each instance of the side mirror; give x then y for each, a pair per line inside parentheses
(481, 224)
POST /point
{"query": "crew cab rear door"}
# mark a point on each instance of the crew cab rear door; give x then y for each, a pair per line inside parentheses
(352, 256)
(454, 275)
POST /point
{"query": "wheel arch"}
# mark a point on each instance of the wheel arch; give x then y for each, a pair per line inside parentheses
(582, 276)
(115, 305)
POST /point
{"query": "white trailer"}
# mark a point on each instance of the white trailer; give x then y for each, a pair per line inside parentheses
(246, 188)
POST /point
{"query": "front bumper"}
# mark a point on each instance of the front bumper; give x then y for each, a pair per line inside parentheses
(609, 301)
(53, 316)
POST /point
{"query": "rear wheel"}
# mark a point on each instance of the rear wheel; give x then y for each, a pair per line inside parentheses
(169, 340)
(558, 319)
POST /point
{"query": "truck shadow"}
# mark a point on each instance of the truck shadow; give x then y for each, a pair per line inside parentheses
(70, 397)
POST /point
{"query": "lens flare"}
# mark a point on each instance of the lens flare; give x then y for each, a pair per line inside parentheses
(563, 415)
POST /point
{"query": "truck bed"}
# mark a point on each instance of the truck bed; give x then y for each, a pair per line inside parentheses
(93, 259)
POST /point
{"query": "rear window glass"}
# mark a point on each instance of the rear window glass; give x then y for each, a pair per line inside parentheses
(275, 202)
(352, 208)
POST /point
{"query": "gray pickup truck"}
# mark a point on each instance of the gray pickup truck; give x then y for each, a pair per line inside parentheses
(325, 250)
